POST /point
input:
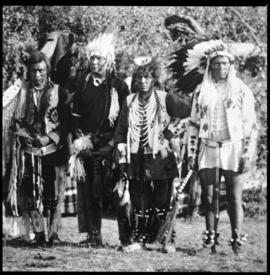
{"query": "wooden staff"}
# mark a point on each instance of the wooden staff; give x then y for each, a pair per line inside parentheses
(34, 178)
(217, 183)
(216, 194)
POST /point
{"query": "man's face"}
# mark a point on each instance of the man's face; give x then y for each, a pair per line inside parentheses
(38, 74)
(220, 67)
(98, 64)
(144, 82)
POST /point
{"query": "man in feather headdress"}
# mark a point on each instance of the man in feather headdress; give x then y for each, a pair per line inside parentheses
(96, 109)
(223, 118)
(38, 164)
(146, 163)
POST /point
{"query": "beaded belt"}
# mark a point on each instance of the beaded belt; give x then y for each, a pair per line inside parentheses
(214, 144)
(43, 151)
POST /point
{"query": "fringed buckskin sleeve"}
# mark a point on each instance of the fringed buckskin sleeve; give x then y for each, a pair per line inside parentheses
(250, 126)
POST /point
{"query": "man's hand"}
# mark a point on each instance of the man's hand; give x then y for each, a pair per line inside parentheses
(42, 140)
(105, 150)
(78, 133)
(175, 145)
(191, 163)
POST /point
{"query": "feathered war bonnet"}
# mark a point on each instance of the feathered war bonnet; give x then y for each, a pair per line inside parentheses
(199, 59)
(104, 43)
(201, 54)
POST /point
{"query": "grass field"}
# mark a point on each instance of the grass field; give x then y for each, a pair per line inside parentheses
(69, 256)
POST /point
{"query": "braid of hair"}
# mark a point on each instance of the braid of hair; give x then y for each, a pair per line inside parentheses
(158, 110)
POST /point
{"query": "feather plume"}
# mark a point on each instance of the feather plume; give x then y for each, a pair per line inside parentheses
(197, 56)
(76, 164)
(114, 108)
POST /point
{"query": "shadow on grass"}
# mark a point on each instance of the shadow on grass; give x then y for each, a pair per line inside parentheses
(20, 243)
(180, 270)
(158, 247)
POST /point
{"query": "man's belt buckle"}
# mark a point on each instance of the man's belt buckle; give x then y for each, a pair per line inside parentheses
(212, 143)
(219, 143)
(42, 151)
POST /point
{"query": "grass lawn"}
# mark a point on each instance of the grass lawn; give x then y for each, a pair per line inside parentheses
(69, 256)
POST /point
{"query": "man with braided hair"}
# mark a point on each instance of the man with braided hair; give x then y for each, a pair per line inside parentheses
(96, 109)
(147, 164)
(223, 119)
(41, 126)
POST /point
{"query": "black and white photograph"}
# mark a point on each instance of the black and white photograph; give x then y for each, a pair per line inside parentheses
(134, 138)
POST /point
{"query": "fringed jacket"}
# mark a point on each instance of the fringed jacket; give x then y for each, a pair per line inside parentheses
(52, 115)
(240, 116)
(51, 118)
(158, 131)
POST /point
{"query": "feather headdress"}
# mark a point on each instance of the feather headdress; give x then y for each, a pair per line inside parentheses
(105, 44)
(199, 56)
(189, 62)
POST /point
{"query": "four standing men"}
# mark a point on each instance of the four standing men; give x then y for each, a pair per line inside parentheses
(222, 119)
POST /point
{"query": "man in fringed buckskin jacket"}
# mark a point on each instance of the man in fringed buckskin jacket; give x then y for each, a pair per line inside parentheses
(41, 126)
(223, 119)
